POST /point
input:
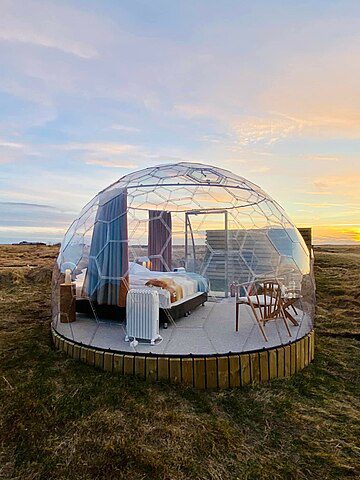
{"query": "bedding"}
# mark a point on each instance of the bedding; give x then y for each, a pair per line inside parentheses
(166, 284)
(172, 286)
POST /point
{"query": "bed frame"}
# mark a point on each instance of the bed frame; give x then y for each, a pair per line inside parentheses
(179, 309)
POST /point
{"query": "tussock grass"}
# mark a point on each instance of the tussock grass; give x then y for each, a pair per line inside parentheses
(60, 419)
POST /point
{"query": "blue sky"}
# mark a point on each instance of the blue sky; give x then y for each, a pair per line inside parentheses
(91, 90)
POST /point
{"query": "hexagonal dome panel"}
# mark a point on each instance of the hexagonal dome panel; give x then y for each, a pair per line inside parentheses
(192, 233)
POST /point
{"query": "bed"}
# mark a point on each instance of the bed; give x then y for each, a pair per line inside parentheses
(179, 292)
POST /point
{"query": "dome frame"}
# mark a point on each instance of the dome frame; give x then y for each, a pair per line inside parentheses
(214, 227)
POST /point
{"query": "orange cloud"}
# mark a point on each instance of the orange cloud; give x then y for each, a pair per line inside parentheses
(346, 185)
(341, 234)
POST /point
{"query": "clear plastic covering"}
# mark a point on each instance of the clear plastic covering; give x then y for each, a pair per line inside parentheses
(202, 232)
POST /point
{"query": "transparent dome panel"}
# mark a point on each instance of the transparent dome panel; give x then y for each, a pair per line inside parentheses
(200, 238)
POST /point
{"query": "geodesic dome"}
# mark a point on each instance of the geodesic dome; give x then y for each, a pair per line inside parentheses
(185, 222)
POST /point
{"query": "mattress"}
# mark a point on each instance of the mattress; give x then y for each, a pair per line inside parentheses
(187, 284)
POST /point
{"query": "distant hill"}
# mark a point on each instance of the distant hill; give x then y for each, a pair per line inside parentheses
(24, 242)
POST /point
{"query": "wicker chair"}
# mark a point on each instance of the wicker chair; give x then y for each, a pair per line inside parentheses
(265, 301)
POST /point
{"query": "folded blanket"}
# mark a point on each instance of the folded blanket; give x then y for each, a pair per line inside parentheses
(178, 288)
(166, 285)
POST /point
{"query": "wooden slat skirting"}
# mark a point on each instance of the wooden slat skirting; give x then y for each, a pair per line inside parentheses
(203, 372)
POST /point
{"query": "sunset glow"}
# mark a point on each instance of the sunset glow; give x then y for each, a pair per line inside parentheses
(337, 234)
(91, 91)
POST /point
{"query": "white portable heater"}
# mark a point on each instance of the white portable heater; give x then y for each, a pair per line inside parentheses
(142, 315)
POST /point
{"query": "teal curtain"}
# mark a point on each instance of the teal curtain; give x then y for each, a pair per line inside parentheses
(107, 274)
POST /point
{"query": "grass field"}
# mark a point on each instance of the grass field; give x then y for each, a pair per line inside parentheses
(60, 419)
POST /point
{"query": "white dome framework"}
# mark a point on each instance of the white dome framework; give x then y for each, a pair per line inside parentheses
(197, 235)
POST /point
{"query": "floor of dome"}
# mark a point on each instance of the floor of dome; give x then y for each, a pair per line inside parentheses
(210, 329)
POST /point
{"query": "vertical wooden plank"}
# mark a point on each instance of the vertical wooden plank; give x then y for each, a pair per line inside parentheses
(187, 372)
(306, 351)
(280, 352)
(108, 362)
(234, 369)
(314, 338)
(56, 339)
(312, 345)
(310, 336)
(223, 372)
(298, 346)
(302, 353)
(175, 370)
(61, 344)
(309, 347)
(140, 366)
(163, 368)
(293, 358)
(151, 369)
(211, 372)
(65, 346)
(199, 372)
(272, 364)
(68, 346)
(76, 352)
(118, 363)
(264, 366)
(90, 356)
(83, 354)
(128, 365)
(70, 349)
(287, 351)
(99, 359)
(254, 367)
(245, 369)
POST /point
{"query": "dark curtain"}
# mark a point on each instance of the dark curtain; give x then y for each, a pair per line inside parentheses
(159, 241)
(107, 274)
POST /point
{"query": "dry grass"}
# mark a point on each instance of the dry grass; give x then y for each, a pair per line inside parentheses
(60, 419)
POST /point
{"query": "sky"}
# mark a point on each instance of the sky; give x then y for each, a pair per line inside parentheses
(92, 90)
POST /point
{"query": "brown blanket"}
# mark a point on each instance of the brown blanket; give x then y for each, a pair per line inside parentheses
(167, 284)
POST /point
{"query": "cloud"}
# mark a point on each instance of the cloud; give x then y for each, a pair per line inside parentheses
(268, 131)
(321, 158)
(256, 89)
(99, 147)
(124, 128)
(346, 184)
(28, 205)
(111, 164)
(11, 151)
(32, 230)
(32, 221)
(329, 205)
(51, 26)
(337, 234)
(6, 144)
(320, 88)
(106, 154)
(260, 169)
(189, 110)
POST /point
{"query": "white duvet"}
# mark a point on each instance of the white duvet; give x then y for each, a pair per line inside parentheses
(139, 275)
